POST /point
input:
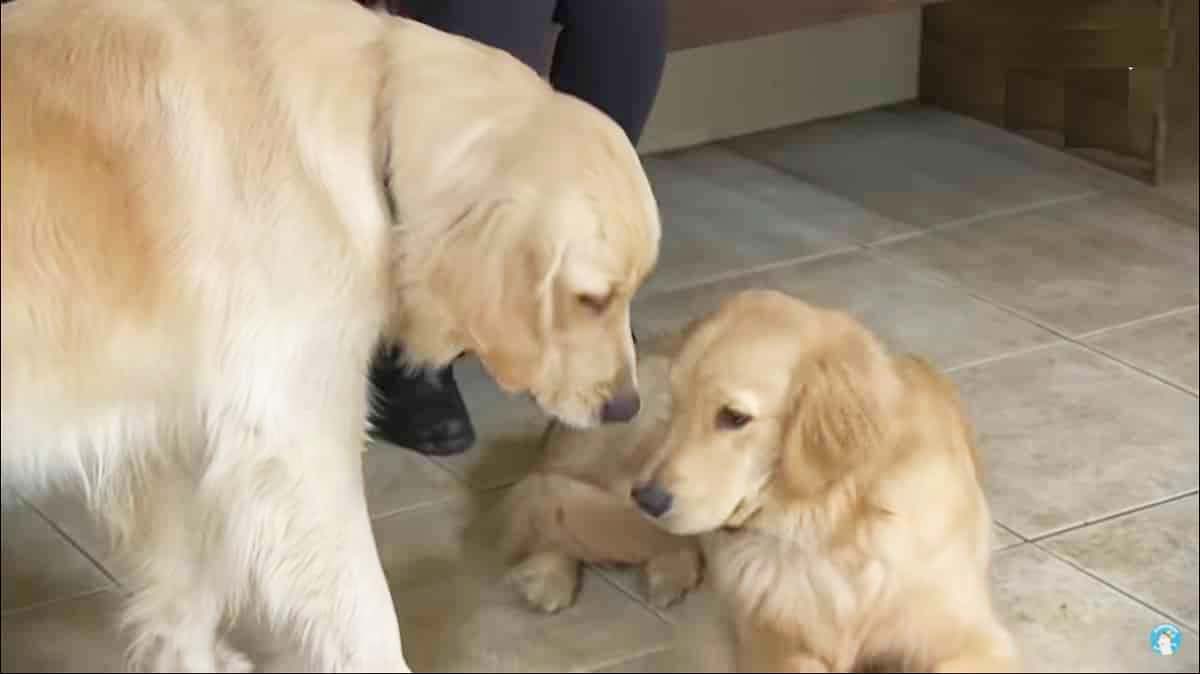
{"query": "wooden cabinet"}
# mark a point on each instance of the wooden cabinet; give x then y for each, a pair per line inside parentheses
(1110, 80)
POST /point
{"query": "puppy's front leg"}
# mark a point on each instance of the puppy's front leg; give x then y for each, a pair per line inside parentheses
(671, 575)
(761, 652)
(548, 580)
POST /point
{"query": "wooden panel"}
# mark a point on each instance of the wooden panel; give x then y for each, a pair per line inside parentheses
(1023, 45)
(1083, 75)
(1034, 99)
(696, 23)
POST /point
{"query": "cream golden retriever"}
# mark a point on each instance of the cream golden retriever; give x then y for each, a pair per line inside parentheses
(212, 212)
(834, 488)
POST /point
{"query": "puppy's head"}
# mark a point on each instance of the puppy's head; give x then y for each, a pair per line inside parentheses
(773, 401)
(551, 230)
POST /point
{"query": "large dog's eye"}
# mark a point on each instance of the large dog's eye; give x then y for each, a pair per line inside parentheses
(729, 418)
(594, 302)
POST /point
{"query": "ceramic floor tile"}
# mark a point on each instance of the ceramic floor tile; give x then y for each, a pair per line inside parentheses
(1069, 436)
(1078, 266)
(1065, 621)
(509, 431)
(39, 564)
(884, 163)
(1166, 346)
(457, 614)
(911, 312)
(397, 478)
(76, 635)
(1152, 554)
(729, 171)
(724, 213)
(65, 508)
(1003, 538)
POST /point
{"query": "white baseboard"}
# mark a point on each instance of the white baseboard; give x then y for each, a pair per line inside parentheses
(726, 90)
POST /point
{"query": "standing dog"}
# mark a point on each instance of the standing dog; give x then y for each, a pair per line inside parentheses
(212, 211)
(837, 490)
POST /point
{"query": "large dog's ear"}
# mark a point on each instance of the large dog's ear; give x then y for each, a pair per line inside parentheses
(842, 392)
(500, 273)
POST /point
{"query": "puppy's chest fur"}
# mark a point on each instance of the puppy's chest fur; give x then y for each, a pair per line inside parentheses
(801, 593)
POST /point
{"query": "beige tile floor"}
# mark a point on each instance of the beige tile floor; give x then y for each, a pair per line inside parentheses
(1065, 309)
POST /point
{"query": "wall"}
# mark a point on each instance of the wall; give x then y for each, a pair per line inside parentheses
(723, 90)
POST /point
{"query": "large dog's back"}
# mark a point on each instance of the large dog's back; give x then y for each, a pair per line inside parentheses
(138, 241)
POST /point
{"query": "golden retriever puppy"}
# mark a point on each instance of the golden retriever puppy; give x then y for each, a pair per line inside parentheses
(574, 508)
(212, 212)
(836, 488)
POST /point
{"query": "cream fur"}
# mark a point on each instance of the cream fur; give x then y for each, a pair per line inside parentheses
(211, 213)
(574, 507)
(843, 520)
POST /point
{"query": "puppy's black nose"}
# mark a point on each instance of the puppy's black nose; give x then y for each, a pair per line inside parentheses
(652, 499)
(621, 408)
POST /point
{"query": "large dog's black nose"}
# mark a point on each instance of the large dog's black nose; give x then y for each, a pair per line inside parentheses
(621, 408)
(652, 499)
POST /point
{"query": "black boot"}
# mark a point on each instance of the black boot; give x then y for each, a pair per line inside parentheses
(422, 411)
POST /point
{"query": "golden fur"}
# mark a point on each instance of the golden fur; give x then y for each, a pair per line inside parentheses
(834, 486)
(212, 212)
(574, 507)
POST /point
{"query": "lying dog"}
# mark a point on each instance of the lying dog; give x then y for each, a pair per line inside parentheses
(837, 491)
(212, 212)
(834, 488)
(574, 507)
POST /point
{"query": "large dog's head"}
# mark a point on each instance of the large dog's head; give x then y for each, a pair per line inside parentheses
(528, 251)
(774, 400)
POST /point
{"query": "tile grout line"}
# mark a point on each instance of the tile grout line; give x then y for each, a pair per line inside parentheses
(1132, 510)
(21, 610)
(630, 594)
(734, 274)
(1015, 353)
(1058, 332)
(957, 223)
(104, 571)
(620, 660)
(1136, 368)
(1170, 313)
(1115, 588)
(1085, 193)
(1016, 534)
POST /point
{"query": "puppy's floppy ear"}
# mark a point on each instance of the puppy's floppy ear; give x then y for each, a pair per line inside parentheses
(842, 393)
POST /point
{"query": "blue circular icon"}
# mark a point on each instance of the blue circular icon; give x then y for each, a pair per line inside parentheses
(1165, 639)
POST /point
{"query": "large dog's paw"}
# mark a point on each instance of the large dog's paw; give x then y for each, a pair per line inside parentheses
(546, 580)
(671, 576)
(229, 660)
(167, 653)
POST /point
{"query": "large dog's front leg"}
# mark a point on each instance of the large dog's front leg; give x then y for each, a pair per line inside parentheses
(179, 593)
(305, 531)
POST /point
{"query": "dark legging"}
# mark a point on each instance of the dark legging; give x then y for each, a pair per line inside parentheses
(609, 52)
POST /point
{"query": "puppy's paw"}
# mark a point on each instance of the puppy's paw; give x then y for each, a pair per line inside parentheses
(547, 581)
(671, 576)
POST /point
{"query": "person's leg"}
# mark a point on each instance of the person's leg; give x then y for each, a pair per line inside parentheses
(611, 54)
(425, 411)
(519, 27)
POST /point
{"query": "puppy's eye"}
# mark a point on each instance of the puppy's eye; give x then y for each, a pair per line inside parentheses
(595, 303)
(729, 418)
